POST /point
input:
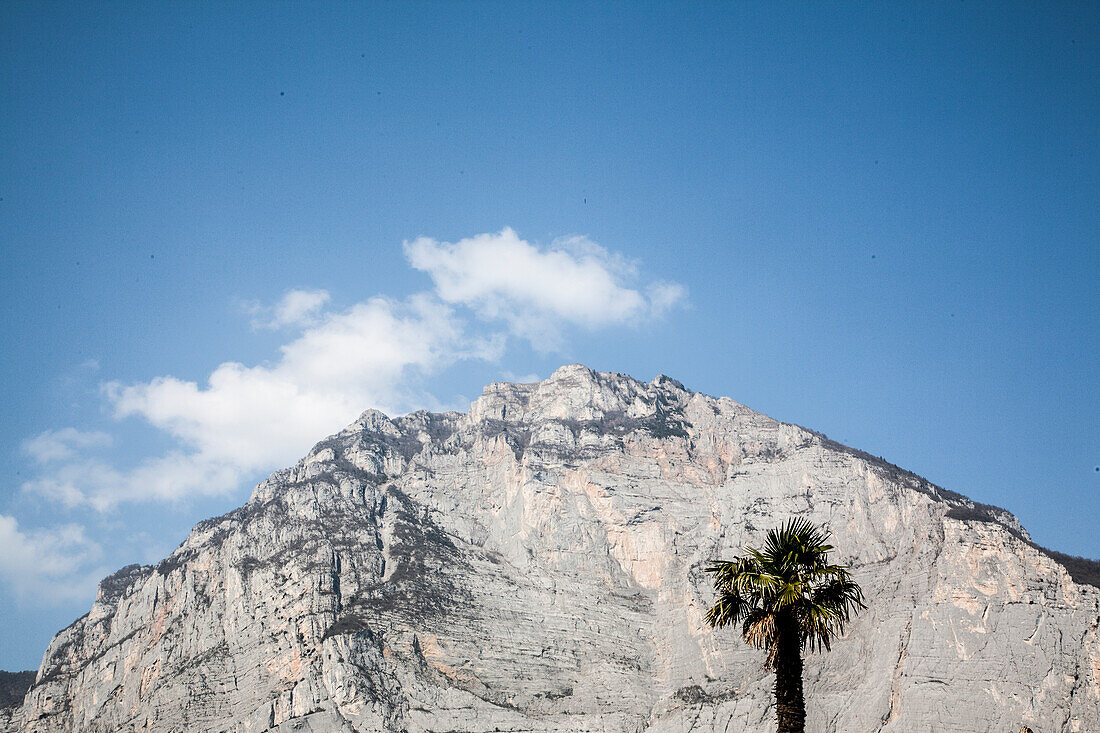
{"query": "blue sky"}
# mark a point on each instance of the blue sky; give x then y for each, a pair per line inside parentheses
(226, 230)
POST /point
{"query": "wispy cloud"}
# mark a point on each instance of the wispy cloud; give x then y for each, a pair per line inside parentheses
(48, 566)
(297, 309)
(63, 444)
(176, 476)
(536, 291)
(664, 296)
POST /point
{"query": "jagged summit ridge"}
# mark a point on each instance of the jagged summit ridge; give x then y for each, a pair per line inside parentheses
(574, 392)
(536, 564)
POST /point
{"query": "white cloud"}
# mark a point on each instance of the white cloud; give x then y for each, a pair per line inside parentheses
(172, 477)
(49, 566)
(501, 276)
(258, 415)
(251, 418)
(298, 308)
(63, 444)
(664, 296)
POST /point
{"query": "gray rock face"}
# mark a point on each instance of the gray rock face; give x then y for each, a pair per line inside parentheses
(536, 565)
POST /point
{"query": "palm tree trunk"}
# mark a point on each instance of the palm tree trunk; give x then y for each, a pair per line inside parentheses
(789, 705)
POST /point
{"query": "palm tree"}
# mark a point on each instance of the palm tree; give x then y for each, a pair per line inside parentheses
(787, 597)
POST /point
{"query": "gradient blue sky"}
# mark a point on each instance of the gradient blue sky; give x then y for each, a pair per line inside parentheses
(882, 220)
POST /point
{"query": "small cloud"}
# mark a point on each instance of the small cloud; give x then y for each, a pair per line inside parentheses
(664, 296)
(63, 444)
(49, 566)
(535, 291)
(297, 309)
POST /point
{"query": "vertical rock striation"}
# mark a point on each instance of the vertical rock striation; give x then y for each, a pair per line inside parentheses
(536, 565)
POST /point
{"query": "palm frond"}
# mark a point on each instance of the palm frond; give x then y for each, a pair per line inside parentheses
(759, 629)
(841, 594)
(789, 577)
(730, 608)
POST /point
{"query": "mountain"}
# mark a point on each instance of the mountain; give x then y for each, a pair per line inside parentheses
(537, 565)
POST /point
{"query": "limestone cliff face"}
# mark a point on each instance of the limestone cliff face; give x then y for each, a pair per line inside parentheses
(536, 565)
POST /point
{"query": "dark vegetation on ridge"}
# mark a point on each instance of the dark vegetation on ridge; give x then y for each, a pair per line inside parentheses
(1081, 569)
(14, 686)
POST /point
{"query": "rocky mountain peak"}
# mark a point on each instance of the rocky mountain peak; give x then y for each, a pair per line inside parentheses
(537, 564)
(575, 392)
